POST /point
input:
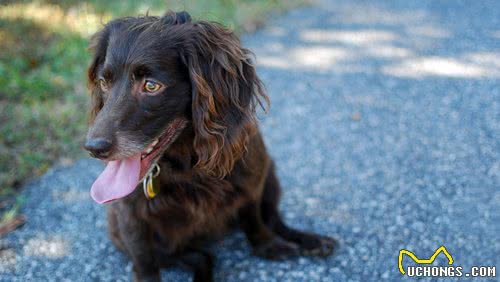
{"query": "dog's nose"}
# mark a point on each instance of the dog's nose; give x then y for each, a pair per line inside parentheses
(98, 147)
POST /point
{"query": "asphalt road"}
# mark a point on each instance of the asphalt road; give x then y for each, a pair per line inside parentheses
(385, 127)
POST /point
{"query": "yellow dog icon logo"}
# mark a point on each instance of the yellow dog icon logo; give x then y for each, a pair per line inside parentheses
(430, 260)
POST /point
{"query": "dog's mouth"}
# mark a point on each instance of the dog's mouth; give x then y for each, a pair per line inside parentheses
(155, 150)
(120, 177)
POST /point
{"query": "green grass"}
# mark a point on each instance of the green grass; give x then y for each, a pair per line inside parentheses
(43, 59)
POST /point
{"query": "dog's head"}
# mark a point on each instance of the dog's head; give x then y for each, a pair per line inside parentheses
(153, 77)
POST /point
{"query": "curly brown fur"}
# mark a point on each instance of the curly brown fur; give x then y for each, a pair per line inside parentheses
(216, 173)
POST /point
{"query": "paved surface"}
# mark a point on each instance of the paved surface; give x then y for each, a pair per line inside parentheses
(385, 127)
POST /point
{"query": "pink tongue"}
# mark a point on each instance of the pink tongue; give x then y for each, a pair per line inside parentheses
(118, 179)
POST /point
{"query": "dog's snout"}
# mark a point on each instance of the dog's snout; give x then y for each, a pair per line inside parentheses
(98, 147)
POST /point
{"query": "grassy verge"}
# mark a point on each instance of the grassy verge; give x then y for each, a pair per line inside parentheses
(43, 58)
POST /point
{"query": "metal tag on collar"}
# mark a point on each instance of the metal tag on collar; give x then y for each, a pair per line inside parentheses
(148, 184)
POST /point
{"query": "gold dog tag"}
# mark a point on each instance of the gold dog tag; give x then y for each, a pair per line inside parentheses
(150, 186)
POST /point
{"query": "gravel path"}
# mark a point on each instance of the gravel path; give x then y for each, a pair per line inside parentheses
(385, 127)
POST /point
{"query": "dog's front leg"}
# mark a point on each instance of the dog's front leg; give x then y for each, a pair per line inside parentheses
(136, 237)
(264, 241)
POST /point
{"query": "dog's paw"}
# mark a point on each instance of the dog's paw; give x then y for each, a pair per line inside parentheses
(316, 245)
(276, 249)
(147, 278)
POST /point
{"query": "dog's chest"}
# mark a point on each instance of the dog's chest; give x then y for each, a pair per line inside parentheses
(189, 207)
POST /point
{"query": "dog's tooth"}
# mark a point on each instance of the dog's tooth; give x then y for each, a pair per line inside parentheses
(148, 150)
(154, 143)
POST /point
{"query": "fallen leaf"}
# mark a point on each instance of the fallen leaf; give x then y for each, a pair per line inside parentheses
(356, 116)
(12, 224)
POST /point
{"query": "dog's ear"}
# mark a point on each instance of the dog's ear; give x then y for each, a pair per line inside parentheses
(98, 45)
(171, 18)
(225, 93)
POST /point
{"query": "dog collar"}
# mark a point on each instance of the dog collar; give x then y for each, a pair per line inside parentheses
(150, 186)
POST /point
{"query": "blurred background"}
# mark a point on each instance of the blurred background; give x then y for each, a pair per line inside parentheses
(43, 60)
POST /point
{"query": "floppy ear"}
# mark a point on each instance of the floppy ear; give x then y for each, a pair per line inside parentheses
(225, 93)
(171, 17)
(98, 45)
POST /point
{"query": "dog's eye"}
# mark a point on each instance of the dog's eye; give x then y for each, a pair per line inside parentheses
(104, 84)
(151, 86)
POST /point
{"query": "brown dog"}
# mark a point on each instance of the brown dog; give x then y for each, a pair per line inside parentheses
(173, 110)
